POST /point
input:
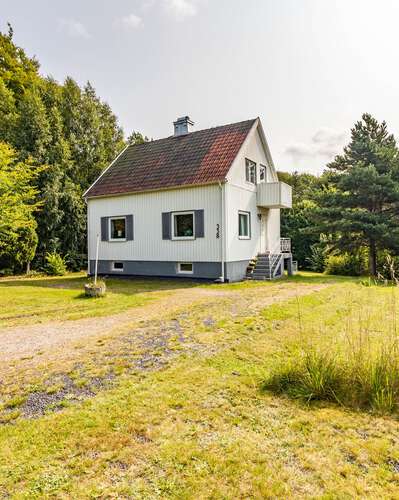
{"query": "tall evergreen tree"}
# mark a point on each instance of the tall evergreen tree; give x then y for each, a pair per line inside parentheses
(360, 207)
(67, 129)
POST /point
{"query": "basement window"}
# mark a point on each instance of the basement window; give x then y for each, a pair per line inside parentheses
(183, 226)
(117, 266)
(185, 268)
(117, 228)
(244, 225)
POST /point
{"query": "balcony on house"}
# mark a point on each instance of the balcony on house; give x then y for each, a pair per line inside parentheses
(274, 195)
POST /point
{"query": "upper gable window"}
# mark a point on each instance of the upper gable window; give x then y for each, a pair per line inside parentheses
(250, 171)
(265, 173)
(262, 173)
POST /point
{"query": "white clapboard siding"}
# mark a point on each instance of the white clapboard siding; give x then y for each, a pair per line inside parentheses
(147, 208)
(240, 195)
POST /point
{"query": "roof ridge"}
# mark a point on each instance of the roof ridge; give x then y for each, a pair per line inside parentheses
(195, 132)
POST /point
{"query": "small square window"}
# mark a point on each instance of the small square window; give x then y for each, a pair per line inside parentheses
(250, 171)
(185, 268)
(117, 228)
(118, 266)
(244, 225)
(183, 225)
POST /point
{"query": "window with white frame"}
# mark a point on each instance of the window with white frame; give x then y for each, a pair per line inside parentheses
(250, 171)
(262, 173)
(183, 225)
(117, 266)
(117, 228)
(244, 225)
(185, 268)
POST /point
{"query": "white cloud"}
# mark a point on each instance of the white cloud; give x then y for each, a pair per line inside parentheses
(130, 21)
(325, 144)
(299, 151)
(74, 28)
(181, 9)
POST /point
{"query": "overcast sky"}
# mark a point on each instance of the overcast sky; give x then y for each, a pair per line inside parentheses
(308, 68)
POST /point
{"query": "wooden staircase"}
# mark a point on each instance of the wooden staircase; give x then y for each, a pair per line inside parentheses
(266, 266)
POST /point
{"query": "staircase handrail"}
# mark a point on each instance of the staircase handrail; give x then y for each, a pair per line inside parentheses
(285, 245)
(274, 256)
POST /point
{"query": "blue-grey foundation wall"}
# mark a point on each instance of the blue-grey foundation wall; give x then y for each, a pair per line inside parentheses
(234, 271)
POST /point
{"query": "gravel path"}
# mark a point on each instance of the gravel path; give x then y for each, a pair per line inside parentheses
(26, 341)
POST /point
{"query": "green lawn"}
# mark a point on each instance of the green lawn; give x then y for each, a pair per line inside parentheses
(41, 299)
(202, 427)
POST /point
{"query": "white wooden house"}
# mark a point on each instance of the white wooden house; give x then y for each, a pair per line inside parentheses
(199, 204)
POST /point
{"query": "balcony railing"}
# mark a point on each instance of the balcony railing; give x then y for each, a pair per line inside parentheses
(285, 245)
(274, 195)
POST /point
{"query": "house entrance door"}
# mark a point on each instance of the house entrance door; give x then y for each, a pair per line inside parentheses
(263, 232)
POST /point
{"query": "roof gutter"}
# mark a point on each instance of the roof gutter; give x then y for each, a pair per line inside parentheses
(145, 191)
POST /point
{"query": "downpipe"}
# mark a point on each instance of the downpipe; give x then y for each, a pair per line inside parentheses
(221, 278)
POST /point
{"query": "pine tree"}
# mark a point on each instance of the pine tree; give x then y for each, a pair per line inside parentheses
(360, 206)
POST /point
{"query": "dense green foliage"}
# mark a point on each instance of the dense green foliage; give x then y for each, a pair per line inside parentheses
(66, 129)
(346, 264)
(18, 238)
(297, 223)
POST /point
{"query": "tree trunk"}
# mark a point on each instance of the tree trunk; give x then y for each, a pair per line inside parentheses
(27, 267)
(372, 258)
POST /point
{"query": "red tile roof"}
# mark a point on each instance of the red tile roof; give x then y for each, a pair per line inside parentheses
(202, 157)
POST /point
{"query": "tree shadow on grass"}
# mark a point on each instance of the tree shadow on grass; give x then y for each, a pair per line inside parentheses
(120, 285)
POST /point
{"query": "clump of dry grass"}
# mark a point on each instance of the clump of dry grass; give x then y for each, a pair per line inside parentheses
(358, 367)
(364, 381)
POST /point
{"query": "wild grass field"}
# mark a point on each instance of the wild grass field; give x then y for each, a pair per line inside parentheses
(194, 400)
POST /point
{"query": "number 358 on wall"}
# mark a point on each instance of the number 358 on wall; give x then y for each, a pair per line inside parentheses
(217, 231)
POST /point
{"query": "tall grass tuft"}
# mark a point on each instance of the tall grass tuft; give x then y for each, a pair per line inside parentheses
(360, 383)
(356, 366)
